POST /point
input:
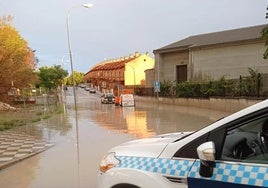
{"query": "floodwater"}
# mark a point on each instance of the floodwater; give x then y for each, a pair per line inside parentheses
(82, 137)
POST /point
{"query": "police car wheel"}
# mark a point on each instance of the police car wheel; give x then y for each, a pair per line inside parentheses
(125, 185)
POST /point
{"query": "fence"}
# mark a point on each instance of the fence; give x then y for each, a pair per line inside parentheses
(254, 86)
(14, 95)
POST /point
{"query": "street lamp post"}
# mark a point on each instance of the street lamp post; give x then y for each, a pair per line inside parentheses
(70, 49)
(134, 76)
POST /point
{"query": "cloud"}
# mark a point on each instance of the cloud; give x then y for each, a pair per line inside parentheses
(115, 28)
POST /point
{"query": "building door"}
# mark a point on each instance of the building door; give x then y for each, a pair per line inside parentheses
(181, 73)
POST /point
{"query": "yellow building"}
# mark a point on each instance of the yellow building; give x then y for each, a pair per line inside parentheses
(119, 73)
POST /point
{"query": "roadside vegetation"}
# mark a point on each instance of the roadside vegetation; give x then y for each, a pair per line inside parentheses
(17, 60)
(250, 86)
(21, 83)
(25, 115)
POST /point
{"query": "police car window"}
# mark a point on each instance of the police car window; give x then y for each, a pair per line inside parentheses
(248, 142)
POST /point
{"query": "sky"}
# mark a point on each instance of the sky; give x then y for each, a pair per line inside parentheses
(117, 28)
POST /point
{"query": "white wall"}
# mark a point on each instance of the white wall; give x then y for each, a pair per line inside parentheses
(169, 62)
(225, 105)
(231, 61)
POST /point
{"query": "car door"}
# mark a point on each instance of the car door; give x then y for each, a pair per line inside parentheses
(241, 161)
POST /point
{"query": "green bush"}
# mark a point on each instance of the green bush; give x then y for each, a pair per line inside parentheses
(188, 89)
(245, 86)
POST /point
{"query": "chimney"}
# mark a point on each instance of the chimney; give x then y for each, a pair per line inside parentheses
(137, 54)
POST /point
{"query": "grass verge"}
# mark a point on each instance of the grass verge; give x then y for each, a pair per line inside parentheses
(25, 115)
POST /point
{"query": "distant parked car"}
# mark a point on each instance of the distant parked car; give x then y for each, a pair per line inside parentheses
(82, 85)
(107, 98)
(92, 90)
(87, 88)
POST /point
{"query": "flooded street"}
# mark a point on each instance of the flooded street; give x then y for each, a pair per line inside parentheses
(81, 138)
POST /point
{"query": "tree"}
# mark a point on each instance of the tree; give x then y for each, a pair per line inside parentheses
(264, 36)
(17, 60)
(51, 77)
(78, 78)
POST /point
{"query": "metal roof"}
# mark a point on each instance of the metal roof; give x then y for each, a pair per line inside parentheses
(222, 37)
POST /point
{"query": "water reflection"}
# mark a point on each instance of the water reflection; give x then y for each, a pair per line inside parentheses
(136, 122)
(146, 120)
(47, 128)
(11, 179)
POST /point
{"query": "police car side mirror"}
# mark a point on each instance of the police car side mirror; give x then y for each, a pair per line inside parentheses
(206, 154)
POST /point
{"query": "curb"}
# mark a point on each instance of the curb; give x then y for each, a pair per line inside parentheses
(14, 161)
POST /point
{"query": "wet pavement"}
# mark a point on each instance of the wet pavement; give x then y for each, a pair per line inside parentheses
(17, 145)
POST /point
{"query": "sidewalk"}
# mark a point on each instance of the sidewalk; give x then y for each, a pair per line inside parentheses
(16, 146)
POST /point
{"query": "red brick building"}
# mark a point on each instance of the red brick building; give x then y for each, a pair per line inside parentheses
(114, 75)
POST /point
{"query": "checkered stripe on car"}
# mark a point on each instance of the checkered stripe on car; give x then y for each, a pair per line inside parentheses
(176, 167)
(235, 173)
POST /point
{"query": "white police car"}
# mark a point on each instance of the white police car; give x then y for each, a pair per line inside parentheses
(232, 152)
